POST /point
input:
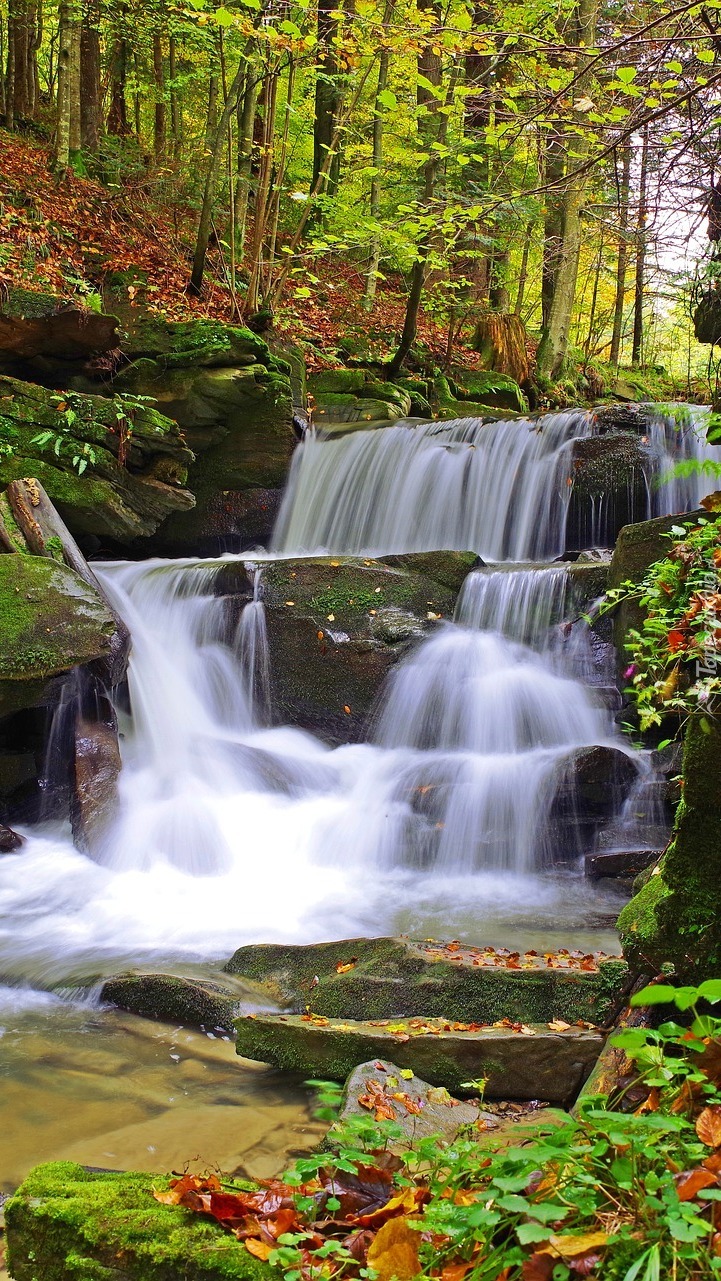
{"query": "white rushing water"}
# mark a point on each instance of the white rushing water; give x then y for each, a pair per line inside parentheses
(502, 489)
(230, 830)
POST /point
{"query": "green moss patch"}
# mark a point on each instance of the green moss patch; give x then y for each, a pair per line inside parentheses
(69, 1224)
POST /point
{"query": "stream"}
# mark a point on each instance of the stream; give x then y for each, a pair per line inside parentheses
(233, 829)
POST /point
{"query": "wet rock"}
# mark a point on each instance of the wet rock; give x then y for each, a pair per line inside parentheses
(440, 1114)
(192, 1002)
(387, 977)
(355, 395)
(64, 1216)
(9, 840)
(106, 499)
(619, 862)
(50, 622)
(593, 784)
(535, 1064)
(609, 488)
(336, 626)
(97, 767)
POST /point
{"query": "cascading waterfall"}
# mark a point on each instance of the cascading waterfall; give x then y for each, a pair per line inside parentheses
(502, 489)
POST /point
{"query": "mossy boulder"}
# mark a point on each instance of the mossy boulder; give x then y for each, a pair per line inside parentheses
(41, 334)
(41, 434)
(533, 1064)
(388, 977)
(50, 621)
(356, 395)
(494, 390)
(675, 917)
(609, 488)
(66, 1223)
(234, 403)
(440, 1114)
(637, 548)
(337, 626)
(174, 999)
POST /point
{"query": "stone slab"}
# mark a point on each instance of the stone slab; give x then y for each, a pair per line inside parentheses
(536, 1063)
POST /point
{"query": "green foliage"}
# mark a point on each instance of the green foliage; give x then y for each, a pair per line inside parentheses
(673, 654)
(591, 1197)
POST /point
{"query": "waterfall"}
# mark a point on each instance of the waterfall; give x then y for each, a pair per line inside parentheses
(502, 489)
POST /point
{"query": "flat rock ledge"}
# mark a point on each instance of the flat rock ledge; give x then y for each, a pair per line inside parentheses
(533, 1063)
(421, 1109)
(386, 977)
(66, 1223)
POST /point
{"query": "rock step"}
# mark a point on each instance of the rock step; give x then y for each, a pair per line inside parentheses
(517, 1061)
(388, 977)
(619, 862)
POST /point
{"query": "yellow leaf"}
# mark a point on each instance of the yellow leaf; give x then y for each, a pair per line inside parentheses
(407, 1074)
(558, 1025)
(569, 1247)
(259, 1249)
(394, 1252)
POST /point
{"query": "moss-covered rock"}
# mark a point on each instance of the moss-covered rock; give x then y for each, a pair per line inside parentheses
(41, 434)
(675, 916)
(40, 333)
(69, 1224)
(356, 395)
(494, 390)
(535, 1064)
(234, 403)
(391, 977)
(336, 626)
(50, 621)
(174, 999)
(638, 546)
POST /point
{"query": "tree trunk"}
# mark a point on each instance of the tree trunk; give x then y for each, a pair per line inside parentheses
(375, 192)
(564, 275)
(176, 114)
(160, 113)
(523, 273)
(91, 96)
(21, 73)
(63, 127)
(622, 260)
(327, 95)
(118, 112)
(246, 118)
(76, 142)
(211, 179)
(640, 285)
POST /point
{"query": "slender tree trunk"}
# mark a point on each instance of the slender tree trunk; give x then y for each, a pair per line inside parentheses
(176, 113)
(21, 70)
(246, 119)
(594, 302)
(375, 192)
(327, 96)
(63, 127)
(211, 179)
(523, 273)
(554, 339)
(117, 123)
(159, 120)
(262, 198)
(640, 284)
(280, 172)
(90, 98)
(76, 141)
(211, 119)
(622, 260)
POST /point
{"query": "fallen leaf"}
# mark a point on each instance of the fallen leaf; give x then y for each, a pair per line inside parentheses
(691, 1182)
(708, 1126)
(558, 1025)
(394, 1253)
(571, 1245)
(259, 1249)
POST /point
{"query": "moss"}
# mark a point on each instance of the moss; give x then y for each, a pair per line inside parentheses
(172, 999)
(499, 391)
(68, 1224)
(553, 1072)
(638, 924)
(180, 344)
(394, 977)
(50, 619)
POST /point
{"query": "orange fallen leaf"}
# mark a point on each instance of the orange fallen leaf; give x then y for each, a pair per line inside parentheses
(691, 1182)
(394, 1253)
(259, 1249)
(708, 1126)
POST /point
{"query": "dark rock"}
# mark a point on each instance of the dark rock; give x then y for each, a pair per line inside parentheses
(600, 778)
(619, 862)
(9, 840)
(192, 1002)
(68, 1222)
(335, 627)
(39, 332)
(707, 318)
(535, 1064)
(391, 977)
(610, 488)
(97, 769)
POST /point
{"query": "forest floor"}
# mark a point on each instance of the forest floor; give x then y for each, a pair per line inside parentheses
(76, 237)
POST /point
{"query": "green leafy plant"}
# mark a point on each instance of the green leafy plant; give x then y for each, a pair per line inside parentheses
(672, 655)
